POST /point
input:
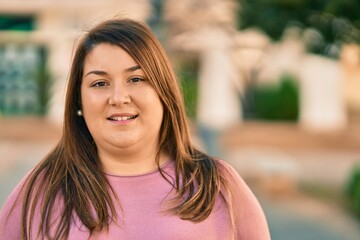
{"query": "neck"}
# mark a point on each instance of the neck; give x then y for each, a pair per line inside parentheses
(127, 163)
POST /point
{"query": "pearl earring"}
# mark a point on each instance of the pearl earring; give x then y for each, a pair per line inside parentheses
(79, 112)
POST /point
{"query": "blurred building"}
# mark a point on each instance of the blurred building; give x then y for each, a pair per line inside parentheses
(231, 62)
(36, 42)
(37, 39)
(350, 61)
(206, 29)
(321, 103)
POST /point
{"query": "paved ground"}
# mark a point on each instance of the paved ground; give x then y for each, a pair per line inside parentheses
(280, 160)
(291, 214)
(304, 218)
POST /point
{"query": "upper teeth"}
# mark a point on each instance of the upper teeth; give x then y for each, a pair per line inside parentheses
(122, 118)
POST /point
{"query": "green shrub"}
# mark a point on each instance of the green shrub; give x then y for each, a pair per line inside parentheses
(277, 101)
(44, 82)
(188, 75)
(353, 190)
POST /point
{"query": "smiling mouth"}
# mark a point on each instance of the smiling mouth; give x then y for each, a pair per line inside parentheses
(122, 118)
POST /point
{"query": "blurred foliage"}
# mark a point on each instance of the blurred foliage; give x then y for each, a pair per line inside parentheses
(353, 190)
(17, 23)
(279, 101)
(324, 192)
(188, 74)
(156, 20)
(44, 83)
(335, 21)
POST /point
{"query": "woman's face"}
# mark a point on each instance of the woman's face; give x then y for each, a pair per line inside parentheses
(120, 107)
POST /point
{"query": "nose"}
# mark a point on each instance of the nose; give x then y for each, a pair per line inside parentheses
(119, 95)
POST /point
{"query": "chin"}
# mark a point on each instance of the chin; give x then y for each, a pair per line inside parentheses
(125, 144)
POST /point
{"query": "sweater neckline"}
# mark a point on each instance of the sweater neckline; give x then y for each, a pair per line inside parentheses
(151, 172)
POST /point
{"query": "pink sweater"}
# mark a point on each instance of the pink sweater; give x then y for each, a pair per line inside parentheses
(142, 199)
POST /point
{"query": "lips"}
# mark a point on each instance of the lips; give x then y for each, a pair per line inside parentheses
(122, 117)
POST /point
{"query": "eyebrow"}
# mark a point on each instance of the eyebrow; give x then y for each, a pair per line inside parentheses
(103, 73)
(132, 69)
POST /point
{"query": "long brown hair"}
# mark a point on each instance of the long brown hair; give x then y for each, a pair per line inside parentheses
(72, 171)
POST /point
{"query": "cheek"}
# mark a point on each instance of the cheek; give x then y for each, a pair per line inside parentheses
(91, 102)
(159, 111)
(153, 104)
(83, 98)
(161, 107)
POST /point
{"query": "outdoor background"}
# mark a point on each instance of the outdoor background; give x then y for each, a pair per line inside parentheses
(271, 86)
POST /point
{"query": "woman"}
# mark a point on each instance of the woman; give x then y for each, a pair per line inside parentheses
(125, 167)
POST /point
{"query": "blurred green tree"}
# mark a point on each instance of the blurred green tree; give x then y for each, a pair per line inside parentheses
(353, 190)
(337, 21)
(44, 82)
(188, 75)
(279, 102)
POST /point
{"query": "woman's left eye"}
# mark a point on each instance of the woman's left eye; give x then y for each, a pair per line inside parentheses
(136, 79)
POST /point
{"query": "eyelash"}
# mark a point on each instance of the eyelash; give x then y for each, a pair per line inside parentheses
(138, 79)
(99, 84)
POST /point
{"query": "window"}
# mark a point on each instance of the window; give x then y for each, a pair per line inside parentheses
(17, 23)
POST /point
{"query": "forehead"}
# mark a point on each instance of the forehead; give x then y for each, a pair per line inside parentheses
(107, 56)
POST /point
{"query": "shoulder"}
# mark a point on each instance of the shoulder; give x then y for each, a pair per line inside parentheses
(10, 214)
(12, 210)
(225, 168)
(230, 175)
(234, 182)
(248, 216)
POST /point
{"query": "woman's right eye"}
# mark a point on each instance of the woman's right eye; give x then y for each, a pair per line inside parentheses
(99, 84)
